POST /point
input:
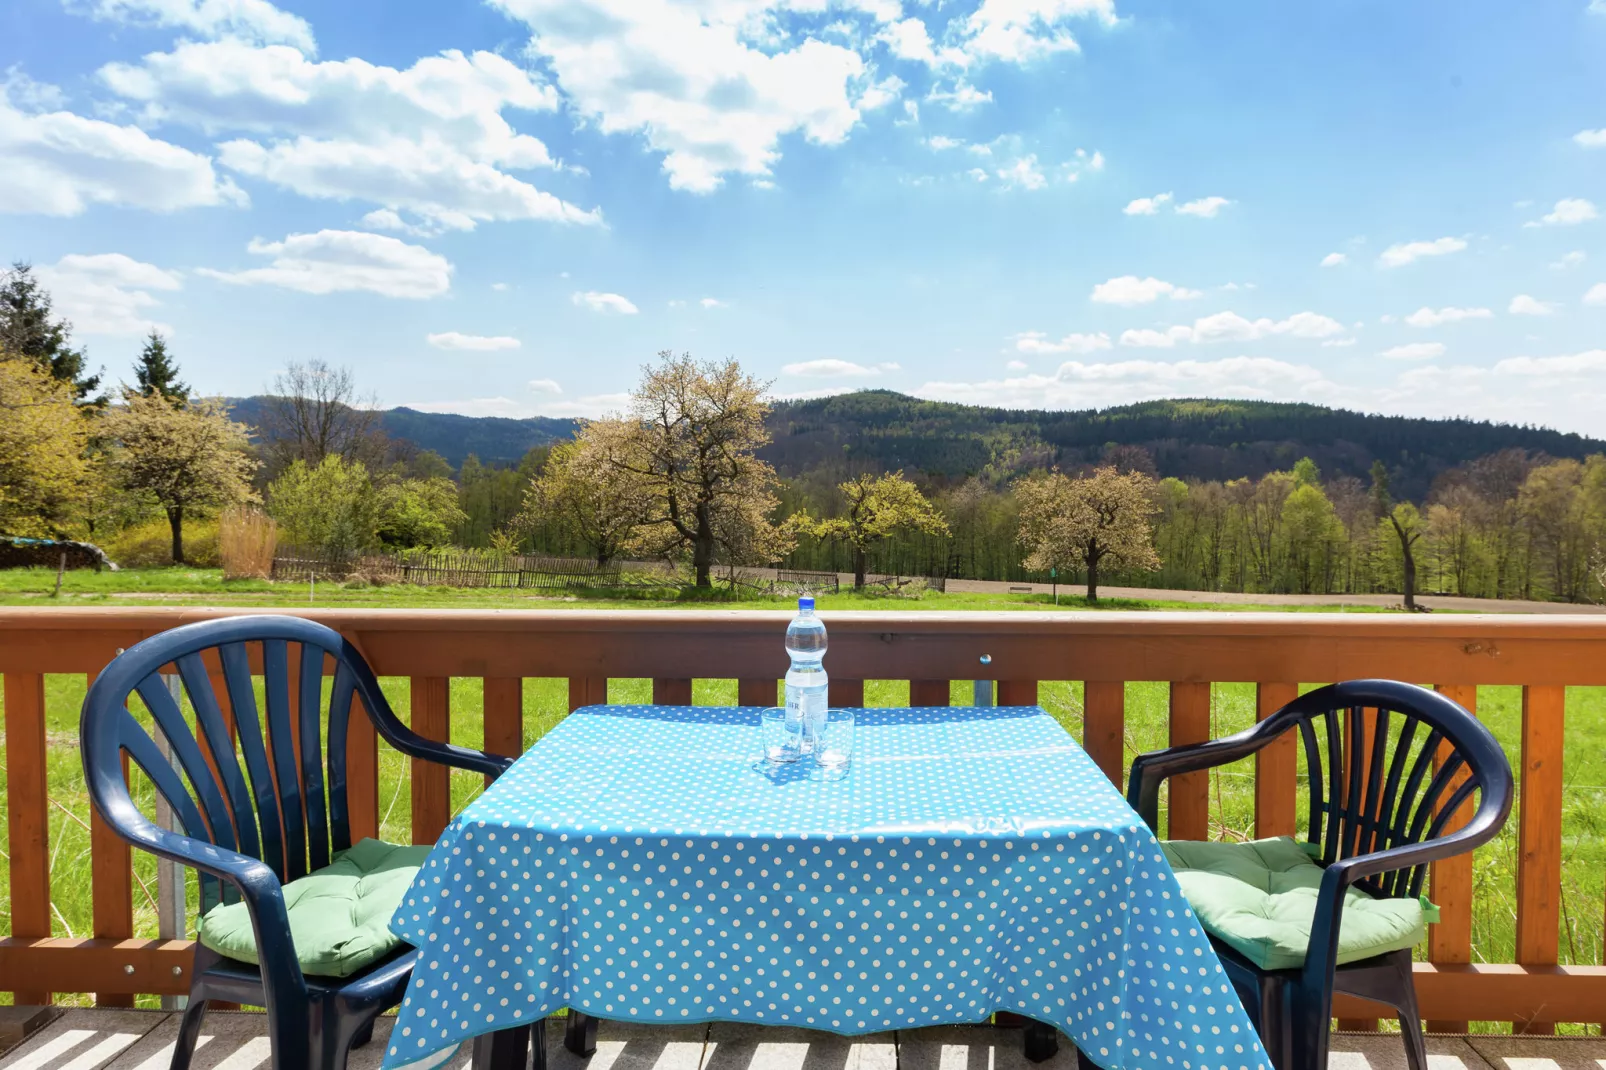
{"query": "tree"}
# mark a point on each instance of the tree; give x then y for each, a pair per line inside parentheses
(417, 512)
(189, 458)
(329, 506)
(29, 330)
(590, 493)
(313, 411)
(44, 476)
(878, 507)
(1098, 519)
(1405, 522)
(155, 372)
(691, 435)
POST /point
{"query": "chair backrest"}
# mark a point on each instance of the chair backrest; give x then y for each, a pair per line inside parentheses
(287, 807)
(1394, 766)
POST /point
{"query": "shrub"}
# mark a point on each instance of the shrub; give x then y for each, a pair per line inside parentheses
(246, 541)
(150, 544)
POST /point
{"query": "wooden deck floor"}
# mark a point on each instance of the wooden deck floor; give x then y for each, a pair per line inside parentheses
(143, 1040)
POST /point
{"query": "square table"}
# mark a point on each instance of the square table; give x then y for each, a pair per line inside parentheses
(639, 865)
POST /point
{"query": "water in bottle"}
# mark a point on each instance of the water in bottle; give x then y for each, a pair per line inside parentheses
(805, 681)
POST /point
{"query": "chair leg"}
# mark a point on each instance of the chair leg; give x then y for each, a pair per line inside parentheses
(189, 1031)
(580, 1034)
(363, 1035)
(1416, 1047)
(1310, 1024)
(1042, 1041)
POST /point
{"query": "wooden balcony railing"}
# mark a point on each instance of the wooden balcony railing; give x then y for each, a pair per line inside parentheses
(1189, 651)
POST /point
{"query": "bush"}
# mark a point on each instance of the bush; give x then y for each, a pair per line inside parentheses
(247, 538)
(150, 544)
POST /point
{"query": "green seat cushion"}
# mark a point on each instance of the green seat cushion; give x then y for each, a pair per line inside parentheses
(1259, 899)
(339, 915)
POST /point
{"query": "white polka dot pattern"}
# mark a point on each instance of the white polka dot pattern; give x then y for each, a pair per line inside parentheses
(638, 865)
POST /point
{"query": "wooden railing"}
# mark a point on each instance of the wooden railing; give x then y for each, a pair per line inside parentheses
(1190, 651)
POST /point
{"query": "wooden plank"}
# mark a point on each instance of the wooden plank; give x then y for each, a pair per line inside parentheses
(845, 693)
(1539, 833)
(587, 691)
(671, 691)
(27, 819)
(759, 692)
(928, 692)
(362, 772)
(1450, 883)
(1017, 693)
(1188, 812)
(1104, 727)
(504, 716)
(1276, 767)
(432, 796)
(66, 965)
(1362, 747)
(111, 875)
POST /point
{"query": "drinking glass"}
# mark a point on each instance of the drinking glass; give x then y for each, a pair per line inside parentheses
(781, 740)
(834, 751)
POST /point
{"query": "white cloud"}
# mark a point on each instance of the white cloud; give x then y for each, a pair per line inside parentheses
(1078, 385)
(1569, 211)
(107, 293)
(1414, 351)
(1019, 31)
(941, 143)
(1334, 260)
(1437, 317)
(1023, 173)
(829, 367)
(1591, 139)
(880, 94)
(498, 286)
(479, 343)
(1524, 305)
(908, 39)
(962, 97)
(1080, 344)
(1231, 327)
(1147, 205)
(1016, 365)
(1131, 290)
(251, 20)
(1339, 343)
(59, 163)
(1204, 207)
(1569, 260)
(1587, 365)
(545, 386)
(1406, 252)
(687, 79)
(429, 140)
(713, 302)
(1596, 294)
(340, 261)
(597, 301)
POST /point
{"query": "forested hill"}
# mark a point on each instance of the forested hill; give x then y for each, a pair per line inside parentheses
(1205, 439)
(1198, 438)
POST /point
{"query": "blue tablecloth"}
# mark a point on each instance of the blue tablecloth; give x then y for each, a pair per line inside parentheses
(637, 865)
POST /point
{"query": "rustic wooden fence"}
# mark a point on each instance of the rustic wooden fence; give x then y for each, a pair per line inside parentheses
(1275, 652)
(446, 568)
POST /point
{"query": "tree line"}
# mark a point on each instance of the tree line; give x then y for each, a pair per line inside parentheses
(680, 476)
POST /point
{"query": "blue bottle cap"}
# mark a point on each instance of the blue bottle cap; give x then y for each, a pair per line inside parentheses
(806, 602)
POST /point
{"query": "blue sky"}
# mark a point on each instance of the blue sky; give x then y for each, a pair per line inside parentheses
(506, 207)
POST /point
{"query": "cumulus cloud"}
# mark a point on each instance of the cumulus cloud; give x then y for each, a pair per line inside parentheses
(1080, 385)
(1408, 252)
(961, 97)
(598, 301)
(1082, 344)
(1569, 260)
(1596, 294)
(1231, 327)
(108, 293)
(1204, 207)
(713, 302)
(251, 20)
(1019, 31)
(1334, 260)
(59, 163)
(341, 261)
(545, 386)
(1414, 351)
(1524, 305)
(1569, 211)
(1437, 317)
(1591, 139)
(1147, 205)
(831, 368)
(1017, 365)
(429, 140)
(1022, 173)
(474, 342)
(1131, 290)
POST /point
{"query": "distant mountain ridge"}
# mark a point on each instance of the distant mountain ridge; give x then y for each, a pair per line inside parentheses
(1192, 437)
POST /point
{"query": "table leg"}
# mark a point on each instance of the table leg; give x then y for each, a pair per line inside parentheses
(1042, 1041)
(580, 1034)
(509, 1049)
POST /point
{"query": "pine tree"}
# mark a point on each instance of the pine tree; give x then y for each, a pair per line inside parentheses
(28, 330)
(157, 373)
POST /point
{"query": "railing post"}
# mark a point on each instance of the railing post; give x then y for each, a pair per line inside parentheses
(1539, 833)
(504, 717)
(1276, 767)
(587, 691)
(172, 913)
(928, 692)
(757, 692)
(27, 816)
(845, 693)
(1188, 813)
(1017, 692)
(432, 786)
(671, 691)
(362, 772)
(112, 879)
(1104, 727)
(1450, 880)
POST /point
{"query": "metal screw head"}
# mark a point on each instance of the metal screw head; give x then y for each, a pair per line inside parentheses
(986, 659)
(128, 968)
(178, 971)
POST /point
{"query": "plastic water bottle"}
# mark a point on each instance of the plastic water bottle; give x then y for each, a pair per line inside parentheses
(806, 684)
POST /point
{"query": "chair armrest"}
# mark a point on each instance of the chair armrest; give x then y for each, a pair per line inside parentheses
(1151, 770)
(414, 745)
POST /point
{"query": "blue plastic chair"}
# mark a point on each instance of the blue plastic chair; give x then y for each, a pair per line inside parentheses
(260, 828)
(1380, 840)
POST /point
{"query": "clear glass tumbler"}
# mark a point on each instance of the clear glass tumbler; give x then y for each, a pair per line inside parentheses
(834, 751)
(781, 739)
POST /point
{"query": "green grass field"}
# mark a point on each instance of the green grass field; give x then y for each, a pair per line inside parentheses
(545, 703)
